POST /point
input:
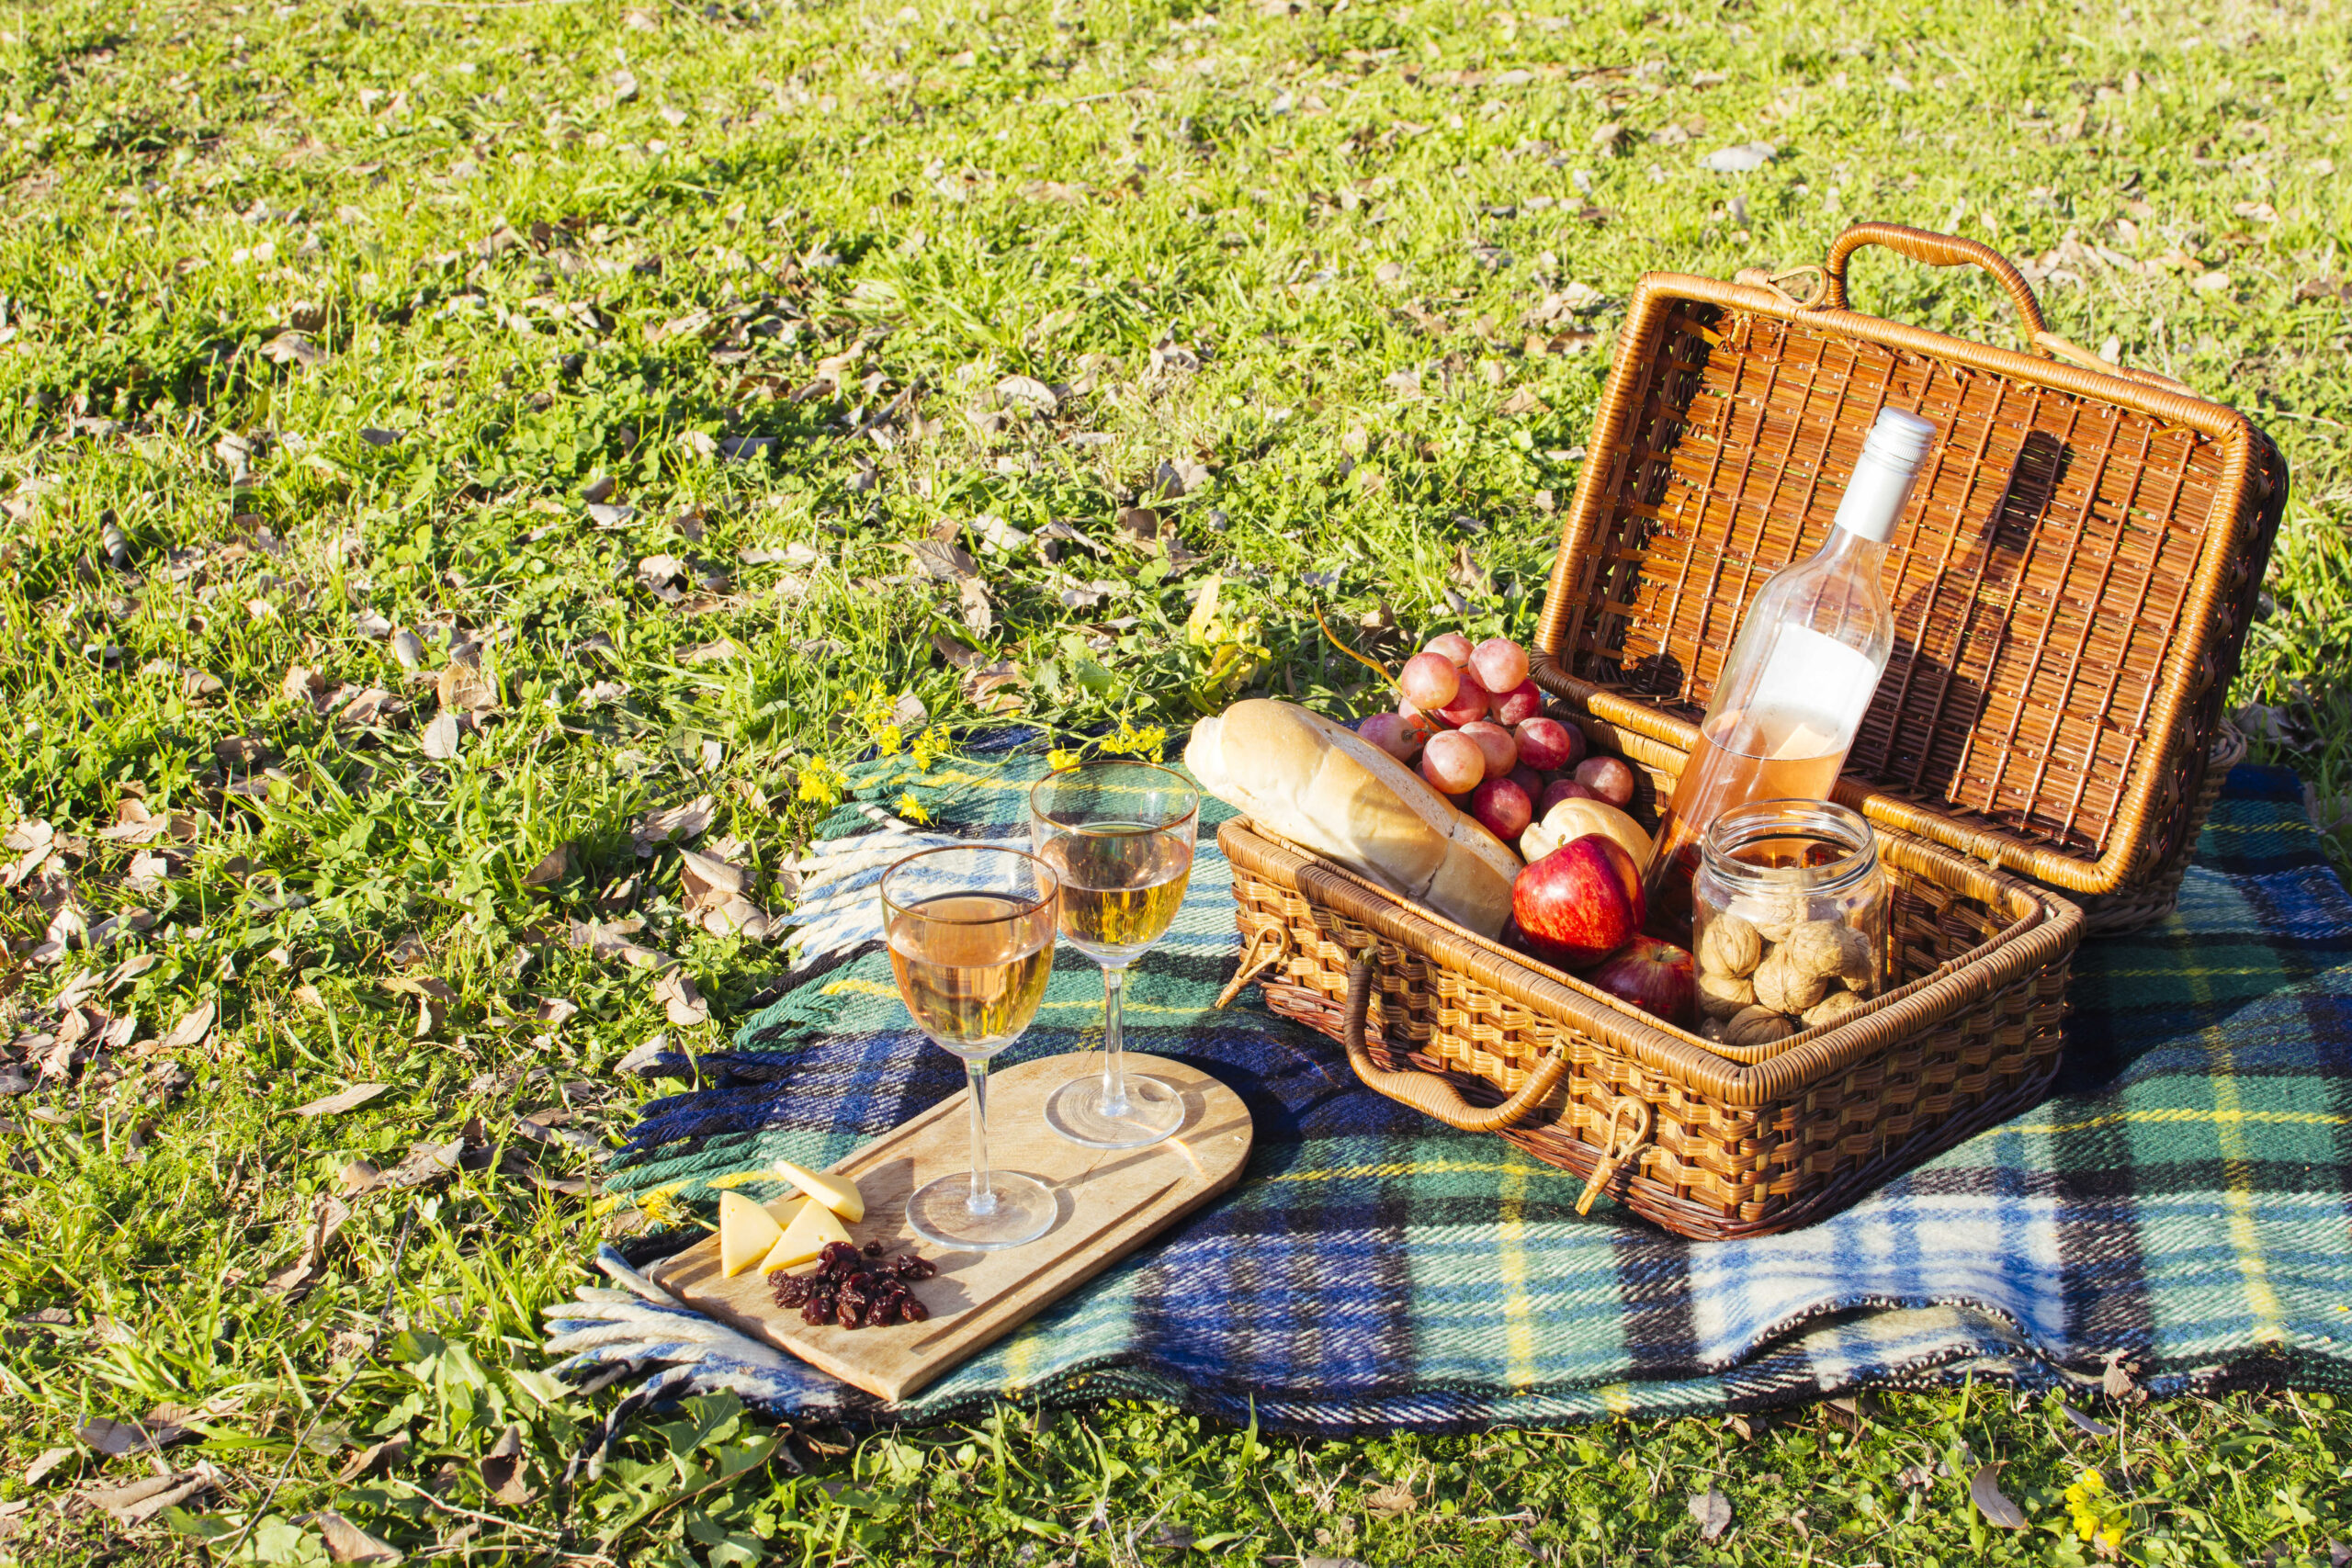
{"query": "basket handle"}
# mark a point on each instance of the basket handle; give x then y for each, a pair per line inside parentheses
(1425, 1093)
(1934, 250)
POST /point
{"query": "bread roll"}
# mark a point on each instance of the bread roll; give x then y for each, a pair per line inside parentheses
(1321, 785)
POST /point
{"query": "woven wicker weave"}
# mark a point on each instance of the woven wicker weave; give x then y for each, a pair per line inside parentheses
(2072, 581)
(1708, 1141)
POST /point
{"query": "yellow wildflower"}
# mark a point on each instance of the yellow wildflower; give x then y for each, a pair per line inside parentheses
(888, 740)
(1133, 742)
(911, 809)
(930, 746)
(874, 711)
(1061, 757)
(822, 783)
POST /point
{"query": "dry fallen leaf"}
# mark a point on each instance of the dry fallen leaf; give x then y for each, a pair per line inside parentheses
(48, 1461)
(440, 740)
(326, 1223)
(1393, 1500)
(688, 822)
(136, 1501)
(605, 942)
(555, 1009)
(347, 1543)
(679, 999)
(552, 868)
(358, 1094)
(503, 1470)
(1023, 391)
(942, 562)
(425, 1163)
(465, 688)
(1985, 1491)
(2083, 1423)
(301, 684)
(1712, 1510)
(193, 1026)
(375, 1459)
(116, 1438)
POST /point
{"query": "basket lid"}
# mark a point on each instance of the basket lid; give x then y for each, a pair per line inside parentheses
(2070, 580)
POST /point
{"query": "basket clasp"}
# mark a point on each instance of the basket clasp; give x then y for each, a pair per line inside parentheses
(1613, 1158)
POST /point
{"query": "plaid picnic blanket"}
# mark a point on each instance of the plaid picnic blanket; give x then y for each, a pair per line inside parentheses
(2182, 1202)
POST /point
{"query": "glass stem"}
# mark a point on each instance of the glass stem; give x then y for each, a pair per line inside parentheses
(1114, 1069)
(983, 1197)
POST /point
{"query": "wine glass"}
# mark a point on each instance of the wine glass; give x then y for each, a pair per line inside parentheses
(1119, 836)
(971, 935)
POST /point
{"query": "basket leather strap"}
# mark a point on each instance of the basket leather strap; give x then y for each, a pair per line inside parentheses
(1264, 951)
(1427, 1092)
(1613, 1155)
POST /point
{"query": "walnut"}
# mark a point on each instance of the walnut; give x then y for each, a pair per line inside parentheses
(1719, 996)
(1835, 1008)
(1784, 988)
(1774, 915)
(1731, 947)
(1828, 948)
(1756, 1026)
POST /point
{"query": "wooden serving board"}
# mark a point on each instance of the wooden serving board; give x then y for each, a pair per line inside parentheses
(1111, 1202)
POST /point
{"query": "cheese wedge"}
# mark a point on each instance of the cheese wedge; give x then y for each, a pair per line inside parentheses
(812, 1226)
(746, 1233)
(838, 1193)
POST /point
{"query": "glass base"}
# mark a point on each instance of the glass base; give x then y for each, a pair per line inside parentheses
(1153, 1110)
(941, 1213)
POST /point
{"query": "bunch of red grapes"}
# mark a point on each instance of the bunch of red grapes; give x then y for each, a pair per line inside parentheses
(1476, 725)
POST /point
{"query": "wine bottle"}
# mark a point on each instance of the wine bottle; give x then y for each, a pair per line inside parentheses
(1802, 670)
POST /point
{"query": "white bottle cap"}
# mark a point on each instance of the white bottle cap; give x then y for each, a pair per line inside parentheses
(1892, 453)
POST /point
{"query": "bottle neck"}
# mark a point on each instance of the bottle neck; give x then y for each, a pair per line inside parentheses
(1847, 547)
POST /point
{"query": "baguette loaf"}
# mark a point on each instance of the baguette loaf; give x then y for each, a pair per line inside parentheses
(1323, 786)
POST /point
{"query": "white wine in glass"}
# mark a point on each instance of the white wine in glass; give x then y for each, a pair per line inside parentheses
(971, 938)
(1119, 836)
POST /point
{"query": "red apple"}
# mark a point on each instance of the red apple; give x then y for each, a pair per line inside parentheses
(1468, 706)
(1502, 808)
(1608, 778)
(1516, 704)
(1455, 645)
(1494, 744)
(1528, 779)
(1516, 940)
(1547, 743)
(1557, 791)
(1655, 976)
(1581, 902)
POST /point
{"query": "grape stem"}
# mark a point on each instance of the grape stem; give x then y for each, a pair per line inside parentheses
(1378, 669)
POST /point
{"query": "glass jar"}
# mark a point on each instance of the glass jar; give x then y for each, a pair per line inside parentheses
(1788, 920)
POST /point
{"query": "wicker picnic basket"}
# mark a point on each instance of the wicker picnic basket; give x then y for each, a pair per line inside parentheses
(2073, 582)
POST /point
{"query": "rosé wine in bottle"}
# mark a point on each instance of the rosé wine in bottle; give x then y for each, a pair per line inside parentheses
(1802, 671)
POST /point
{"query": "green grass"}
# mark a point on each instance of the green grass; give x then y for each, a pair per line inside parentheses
(549, 244)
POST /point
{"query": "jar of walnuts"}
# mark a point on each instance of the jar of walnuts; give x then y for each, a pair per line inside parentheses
(1787, 921)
